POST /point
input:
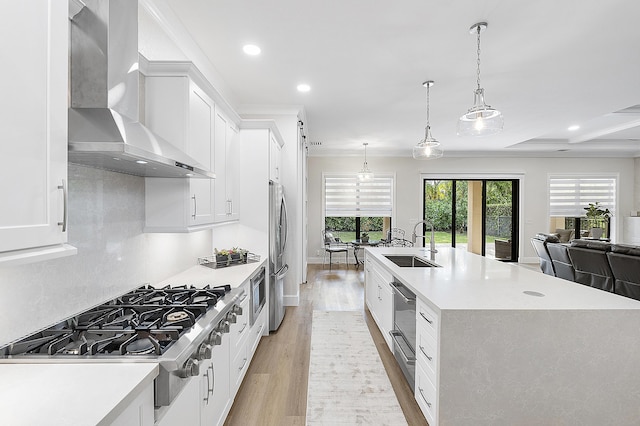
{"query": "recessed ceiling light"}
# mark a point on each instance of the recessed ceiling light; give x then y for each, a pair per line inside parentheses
(573, 128)
(251, 49)
(141, 162)
(303, 87)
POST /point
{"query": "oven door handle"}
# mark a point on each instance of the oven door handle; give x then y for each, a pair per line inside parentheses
(410, 360)
(399, 291)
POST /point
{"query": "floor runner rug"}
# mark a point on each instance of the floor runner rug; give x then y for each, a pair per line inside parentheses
(347, 381)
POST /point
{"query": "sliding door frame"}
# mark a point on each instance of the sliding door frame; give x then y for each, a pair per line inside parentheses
(516, 237)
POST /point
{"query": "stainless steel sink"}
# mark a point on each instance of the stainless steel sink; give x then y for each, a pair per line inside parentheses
(405, 261)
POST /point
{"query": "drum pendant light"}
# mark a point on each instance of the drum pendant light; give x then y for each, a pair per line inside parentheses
(481, 119)
(428, 148)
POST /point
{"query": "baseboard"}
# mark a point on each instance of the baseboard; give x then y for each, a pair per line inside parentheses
(291, 300)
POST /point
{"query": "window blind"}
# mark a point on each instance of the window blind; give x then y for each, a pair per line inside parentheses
(568, 196)
(346, 196)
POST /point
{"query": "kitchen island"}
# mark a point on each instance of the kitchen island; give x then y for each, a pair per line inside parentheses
(507, 345)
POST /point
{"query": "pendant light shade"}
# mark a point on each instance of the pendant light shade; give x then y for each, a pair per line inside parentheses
(365, 173)
(428, 148)
(481, 119)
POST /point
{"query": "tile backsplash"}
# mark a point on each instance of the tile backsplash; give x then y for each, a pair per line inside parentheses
(106, 218)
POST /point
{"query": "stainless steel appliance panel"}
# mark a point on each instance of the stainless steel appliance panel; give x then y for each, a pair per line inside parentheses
(404, 332)
(278, 233)
(258, 293)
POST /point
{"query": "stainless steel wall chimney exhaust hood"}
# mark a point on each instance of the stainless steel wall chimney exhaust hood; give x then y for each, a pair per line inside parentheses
(104, 130)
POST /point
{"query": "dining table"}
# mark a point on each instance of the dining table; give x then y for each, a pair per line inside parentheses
(358, 244)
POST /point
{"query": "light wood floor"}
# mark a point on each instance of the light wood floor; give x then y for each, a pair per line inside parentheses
(274, 391)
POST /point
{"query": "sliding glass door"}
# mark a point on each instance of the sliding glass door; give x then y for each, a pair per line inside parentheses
(479, 215)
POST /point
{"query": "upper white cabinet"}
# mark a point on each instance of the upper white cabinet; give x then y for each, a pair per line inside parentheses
(275, 159)
(177, 109)
(227, 169)
(33, 107)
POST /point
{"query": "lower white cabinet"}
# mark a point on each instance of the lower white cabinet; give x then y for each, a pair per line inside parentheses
(139, 412)
(379, 297)
(215, 393)
(185, 408)
(427, 360)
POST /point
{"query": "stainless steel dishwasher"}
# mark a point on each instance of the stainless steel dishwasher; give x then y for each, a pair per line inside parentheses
(404, 330)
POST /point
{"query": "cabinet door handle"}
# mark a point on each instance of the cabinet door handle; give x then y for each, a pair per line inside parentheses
(65, 198)
(423, 397)
(213, 380)
(244, 362)
(423, 316)
(206, 398)
(425, 354)
(195, 206)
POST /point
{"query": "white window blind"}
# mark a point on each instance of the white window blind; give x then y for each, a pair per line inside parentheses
(346, 196)
(568, 196)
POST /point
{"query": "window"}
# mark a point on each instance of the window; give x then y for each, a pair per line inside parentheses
(352, 206)
(569, 195)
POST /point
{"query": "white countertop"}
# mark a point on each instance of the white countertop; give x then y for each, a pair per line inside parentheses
(69, 394)
(469, 281)
(201, 276)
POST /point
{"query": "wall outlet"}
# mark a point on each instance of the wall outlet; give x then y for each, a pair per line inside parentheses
(317, 252)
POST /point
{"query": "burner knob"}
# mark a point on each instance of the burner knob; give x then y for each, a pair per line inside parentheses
(215, 338)
(204, 351)
(224, 326)
(232, 317)
(191, 368)
(237, 309)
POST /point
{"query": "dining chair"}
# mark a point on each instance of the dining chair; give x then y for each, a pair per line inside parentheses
(334, 245)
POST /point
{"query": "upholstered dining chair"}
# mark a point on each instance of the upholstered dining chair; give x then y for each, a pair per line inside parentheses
(333, 245)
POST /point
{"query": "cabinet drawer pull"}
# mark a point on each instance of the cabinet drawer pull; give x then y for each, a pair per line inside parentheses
(65, 198)
(425, 354)
(242, 329)
(423, 316)
(244, 362)
(423, 397)
(206, 398)
(195, 206)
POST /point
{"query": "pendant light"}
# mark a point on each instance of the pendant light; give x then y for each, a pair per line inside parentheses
(428, 148)
(365, 173)
(481, 119)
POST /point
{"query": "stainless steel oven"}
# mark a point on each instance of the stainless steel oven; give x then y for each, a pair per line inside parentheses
(404, 330)
(258, 293)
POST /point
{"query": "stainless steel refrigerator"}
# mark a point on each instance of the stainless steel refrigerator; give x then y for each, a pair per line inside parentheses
(277, 246)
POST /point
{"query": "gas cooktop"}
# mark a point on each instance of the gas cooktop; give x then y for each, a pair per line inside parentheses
(145, 321)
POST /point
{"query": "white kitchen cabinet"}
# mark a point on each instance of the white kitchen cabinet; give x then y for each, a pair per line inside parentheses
(139, 412)
(427, 360)
(178, 110)
(227, 169)
(33, 177)
(379, 296)
(185, 408)
(275, 159)
(215, 396)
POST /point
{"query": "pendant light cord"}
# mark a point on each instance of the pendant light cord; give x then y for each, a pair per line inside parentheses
(428, 125)
(478, 61)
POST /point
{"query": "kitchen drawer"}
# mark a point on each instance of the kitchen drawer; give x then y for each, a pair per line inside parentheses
(427, 352)
(255, 334)
(426, 396)
(382, 273)
(239, 367)
(239, 330)
(428, 318)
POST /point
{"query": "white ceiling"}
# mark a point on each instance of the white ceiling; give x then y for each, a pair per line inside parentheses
(546, 64)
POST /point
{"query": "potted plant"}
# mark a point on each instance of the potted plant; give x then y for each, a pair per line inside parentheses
(222, 257)
(598, 216)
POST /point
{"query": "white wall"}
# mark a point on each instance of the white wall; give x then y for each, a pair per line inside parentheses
(535, 171)
(106, 218)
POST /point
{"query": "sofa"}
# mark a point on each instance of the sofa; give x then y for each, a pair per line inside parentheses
(602, 265)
